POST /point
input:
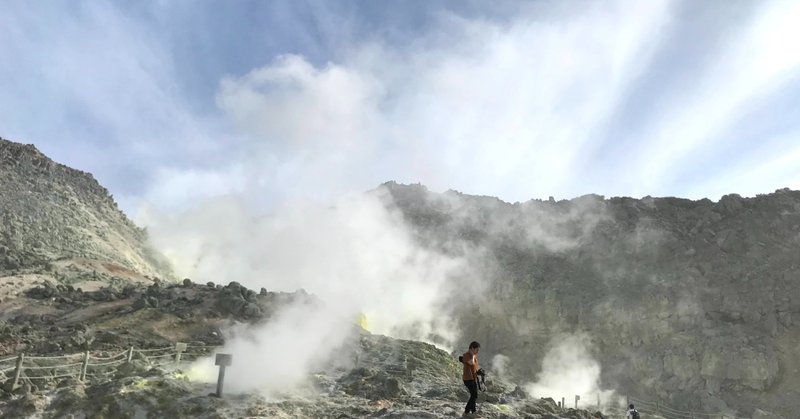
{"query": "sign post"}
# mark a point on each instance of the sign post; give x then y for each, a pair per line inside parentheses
(223, 360)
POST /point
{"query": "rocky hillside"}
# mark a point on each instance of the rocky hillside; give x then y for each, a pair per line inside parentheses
(376, 376)
(77, 277)
(52, 214)
(692, 303)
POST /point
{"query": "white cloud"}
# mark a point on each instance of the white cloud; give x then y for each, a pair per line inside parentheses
(756, 62)
(477, 106)
(516, 109)
(298, 108)
(96, 89)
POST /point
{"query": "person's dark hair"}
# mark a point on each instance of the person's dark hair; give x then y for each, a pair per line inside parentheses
(474, 345)
(630, 406)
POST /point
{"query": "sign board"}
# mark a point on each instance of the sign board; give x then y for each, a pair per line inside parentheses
(224, 360)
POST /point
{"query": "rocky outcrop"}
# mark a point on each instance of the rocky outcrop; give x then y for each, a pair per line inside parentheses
(49, 211)
(694, 303)
(61, 318)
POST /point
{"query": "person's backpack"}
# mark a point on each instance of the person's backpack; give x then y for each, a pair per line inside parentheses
(635, 414)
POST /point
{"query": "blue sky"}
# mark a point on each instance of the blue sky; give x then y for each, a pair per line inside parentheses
(172, 102)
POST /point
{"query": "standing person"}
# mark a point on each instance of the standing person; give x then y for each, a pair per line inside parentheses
(470, 375)
(632, 413)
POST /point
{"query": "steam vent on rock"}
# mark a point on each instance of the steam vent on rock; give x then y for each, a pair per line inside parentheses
(677, 305)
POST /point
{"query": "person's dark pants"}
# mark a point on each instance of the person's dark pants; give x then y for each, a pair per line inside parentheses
(472, 386)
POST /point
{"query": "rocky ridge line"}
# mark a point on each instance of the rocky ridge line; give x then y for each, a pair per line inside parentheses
(50, 212)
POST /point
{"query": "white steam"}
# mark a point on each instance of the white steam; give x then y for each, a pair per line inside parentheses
(356, 256)
(568, 369)
(279, 357)
(499, 365)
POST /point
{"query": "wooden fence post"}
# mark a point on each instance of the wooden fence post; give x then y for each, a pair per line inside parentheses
(85, 366)
(179, 347)
(17, 372)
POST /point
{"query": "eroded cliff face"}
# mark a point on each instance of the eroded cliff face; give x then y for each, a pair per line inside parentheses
(50, 212)
(695, 303)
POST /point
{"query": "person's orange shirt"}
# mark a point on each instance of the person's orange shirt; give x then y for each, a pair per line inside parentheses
(470, 362)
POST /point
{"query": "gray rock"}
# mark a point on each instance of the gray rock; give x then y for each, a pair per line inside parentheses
(251, 310)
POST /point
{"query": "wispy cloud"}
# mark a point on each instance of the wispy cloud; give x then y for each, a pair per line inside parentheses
(755, 64)
(94, 88)
(521, 102)
(527, 107)
(477, 106)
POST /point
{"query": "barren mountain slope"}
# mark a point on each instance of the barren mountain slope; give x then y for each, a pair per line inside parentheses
(692, 303)
(77, 280)
(51, 214)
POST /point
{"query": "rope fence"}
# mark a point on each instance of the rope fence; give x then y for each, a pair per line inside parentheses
(54, 357)
(121, 354)
(25, 368)
(49, 367)
(159, 356)
(154, 350)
